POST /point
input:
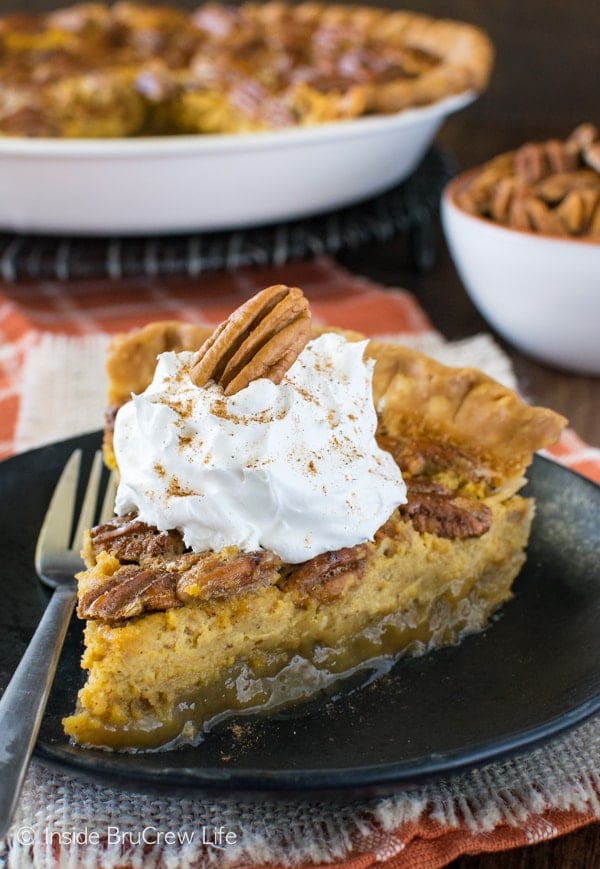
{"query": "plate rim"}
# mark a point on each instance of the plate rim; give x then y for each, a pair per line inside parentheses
(374, 778)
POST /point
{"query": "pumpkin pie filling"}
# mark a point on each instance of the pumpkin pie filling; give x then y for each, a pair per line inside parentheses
(132, 69)
(180, 636)
(165, 675)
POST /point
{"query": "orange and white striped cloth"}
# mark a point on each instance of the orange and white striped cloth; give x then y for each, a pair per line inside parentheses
(50, 326)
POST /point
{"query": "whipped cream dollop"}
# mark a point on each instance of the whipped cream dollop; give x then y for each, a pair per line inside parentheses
(292, 467)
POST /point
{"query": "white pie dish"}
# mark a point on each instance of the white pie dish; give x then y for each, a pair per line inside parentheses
(210, 182)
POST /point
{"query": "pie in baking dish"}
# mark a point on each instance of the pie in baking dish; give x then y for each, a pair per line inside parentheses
(129, 69)
(276, 438)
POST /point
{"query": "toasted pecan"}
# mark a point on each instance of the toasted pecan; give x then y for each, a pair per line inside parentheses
(591, 155)
(541, 218)
(219, 574)
(130, 591)
(435, 509)
(425, 457)
(326, 577)
(537, 160)
(131, 540)
(583, 136)
(577, 210)
(191, 578)
(553, 188)
(262, 338)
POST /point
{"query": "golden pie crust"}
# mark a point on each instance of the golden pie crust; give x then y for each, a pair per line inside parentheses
(175, 640)
(93, 70)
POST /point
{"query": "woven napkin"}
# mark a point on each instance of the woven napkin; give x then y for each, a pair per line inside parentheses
(51, 387)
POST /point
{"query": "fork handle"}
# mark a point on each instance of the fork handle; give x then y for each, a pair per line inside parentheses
(23, 703)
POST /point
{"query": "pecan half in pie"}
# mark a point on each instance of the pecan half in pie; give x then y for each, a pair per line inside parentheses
(178, 635)
(130, 69)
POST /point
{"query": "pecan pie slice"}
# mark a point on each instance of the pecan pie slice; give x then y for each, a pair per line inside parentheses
(130, 69)
(177, 638)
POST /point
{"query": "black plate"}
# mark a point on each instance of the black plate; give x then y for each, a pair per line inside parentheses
(533, 673)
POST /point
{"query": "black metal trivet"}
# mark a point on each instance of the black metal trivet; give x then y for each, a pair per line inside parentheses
(408, 209)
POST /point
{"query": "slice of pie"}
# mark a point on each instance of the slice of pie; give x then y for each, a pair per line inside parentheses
(130, 69)
(324, 557)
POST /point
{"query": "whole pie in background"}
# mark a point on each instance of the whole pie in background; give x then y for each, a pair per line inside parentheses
(92, 70)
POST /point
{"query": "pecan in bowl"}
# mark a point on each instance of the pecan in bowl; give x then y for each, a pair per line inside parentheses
(524, 234)
(550, 187)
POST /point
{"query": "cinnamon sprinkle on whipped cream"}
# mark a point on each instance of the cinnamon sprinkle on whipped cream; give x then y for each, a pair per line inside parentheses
(291, 467)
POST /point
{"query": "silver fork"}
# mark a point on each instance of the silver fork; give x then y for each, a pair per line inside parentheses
(57, 559)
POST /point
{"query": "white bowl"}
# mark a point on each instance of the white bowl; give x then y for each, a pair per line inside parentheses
(209, 182)
(541, 294)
